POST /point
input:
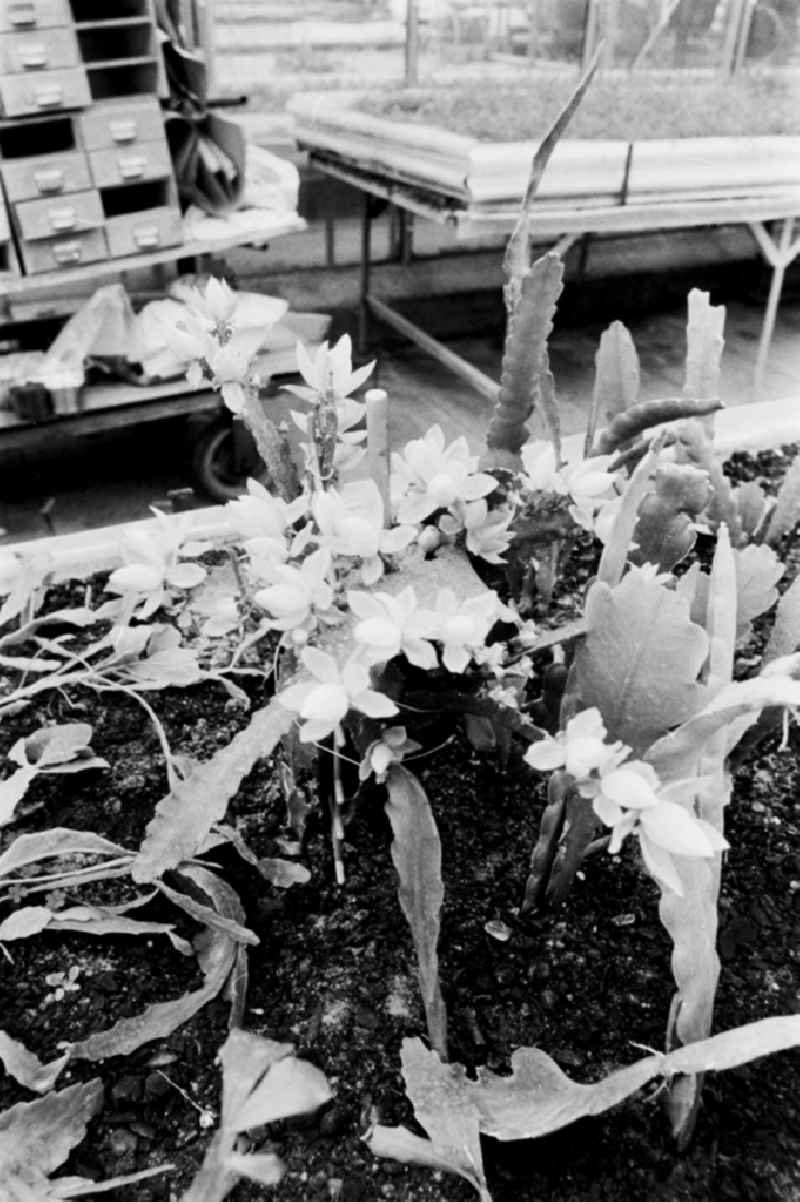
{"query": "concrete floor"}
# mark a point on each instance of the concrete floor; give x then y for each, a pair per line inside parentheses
(114, 479)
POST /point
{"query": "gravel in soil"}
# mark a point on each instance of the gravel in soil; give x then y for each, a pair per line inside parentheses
(334, 973)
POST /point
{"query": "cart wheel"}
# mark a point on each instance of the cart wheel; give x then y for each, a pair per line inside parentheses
(224, 458)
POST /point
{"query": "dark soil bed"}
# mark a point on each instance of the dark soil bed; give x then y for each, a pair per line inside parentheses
(334, 973)
(629, 108)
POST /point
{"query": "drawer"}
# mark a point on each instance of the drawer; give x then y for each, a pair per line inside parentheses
(112, 124)
(44, 92)
(39, 50)
(67, 215)
(137, 233)
(33, 14)
(58, 254)
(130, 165)
(47, 175)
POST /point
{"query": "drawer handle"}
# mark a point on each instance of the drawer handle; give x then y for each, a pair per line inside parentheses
(132, 166)
(33, 55)
(67, 252)
(63, 219)
(50, 97)
(22, 14)
(147, 237)
(48, 182)
(122, 130)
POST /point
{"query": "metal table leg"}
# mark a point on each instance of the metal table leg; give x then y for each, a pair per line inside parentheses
(364, 272)
(779, 256)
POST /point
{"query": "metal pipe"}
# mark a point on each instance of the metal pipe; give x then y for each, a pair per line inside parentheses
(482, 383)
(364, 272)
(412, 44)
(779, 260)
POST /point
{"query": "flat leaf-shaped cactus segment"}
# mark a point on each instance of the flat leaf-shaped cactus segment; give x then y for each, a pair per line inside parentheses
(732, 705)
(445, 1105)
(615, 555)
(539, 1098)
(262, 1082)
(245, 1059)
(617, 375)
(640, 660)
(52, 844)
(398, 1143)
(758, 570)
(26, 1067)
(288, 1088)
(217, 958)
(185, 816)
(690, 918)
(517, 253)
(417, 857)
(784, 638)
(786, 513)
(42, 1134)
(617, 379)
(57, 744)
(665, 527)
(732, 587)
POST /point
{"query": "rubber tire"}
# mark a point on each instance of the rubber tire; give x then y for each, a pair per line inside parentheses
(212, 466)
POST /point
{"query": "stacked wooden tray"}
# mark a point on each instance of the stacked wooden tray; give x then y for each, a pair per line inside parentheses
(485, 177)
(84, 161)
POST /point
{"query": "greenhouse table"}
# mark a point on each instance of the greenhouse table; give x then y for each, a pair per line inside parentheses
(564, 224)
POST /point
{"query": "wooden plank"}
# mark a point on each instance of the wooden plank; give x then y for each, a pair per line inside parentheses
(628, 219)
(101, 397)
(424, 202)
(47, 435)
(117, 405)
(553, 218)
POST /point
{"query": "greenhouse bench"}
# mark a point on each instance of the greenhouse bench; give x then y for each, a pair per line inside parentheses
(565, 224)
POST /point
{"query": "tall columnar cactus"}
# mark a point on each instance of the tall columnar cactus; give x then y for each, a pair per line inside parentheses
(530, 295)
(524, 360)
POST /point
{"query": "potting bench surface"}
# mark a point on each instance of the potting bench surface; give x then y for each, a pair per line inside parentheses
(565, 222)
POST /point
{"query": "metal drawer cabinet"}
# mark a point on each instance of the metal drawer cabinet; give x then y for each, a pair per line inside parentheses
(46, 175)
(44, 91)
(66, 215)
(137, 233)
(57, 254)
(39, 50)
(121, 123)
(130, 165)
(33, 14)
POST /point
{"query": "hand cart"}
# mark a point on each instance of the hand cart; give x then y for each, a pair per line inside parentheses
(222, 454)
